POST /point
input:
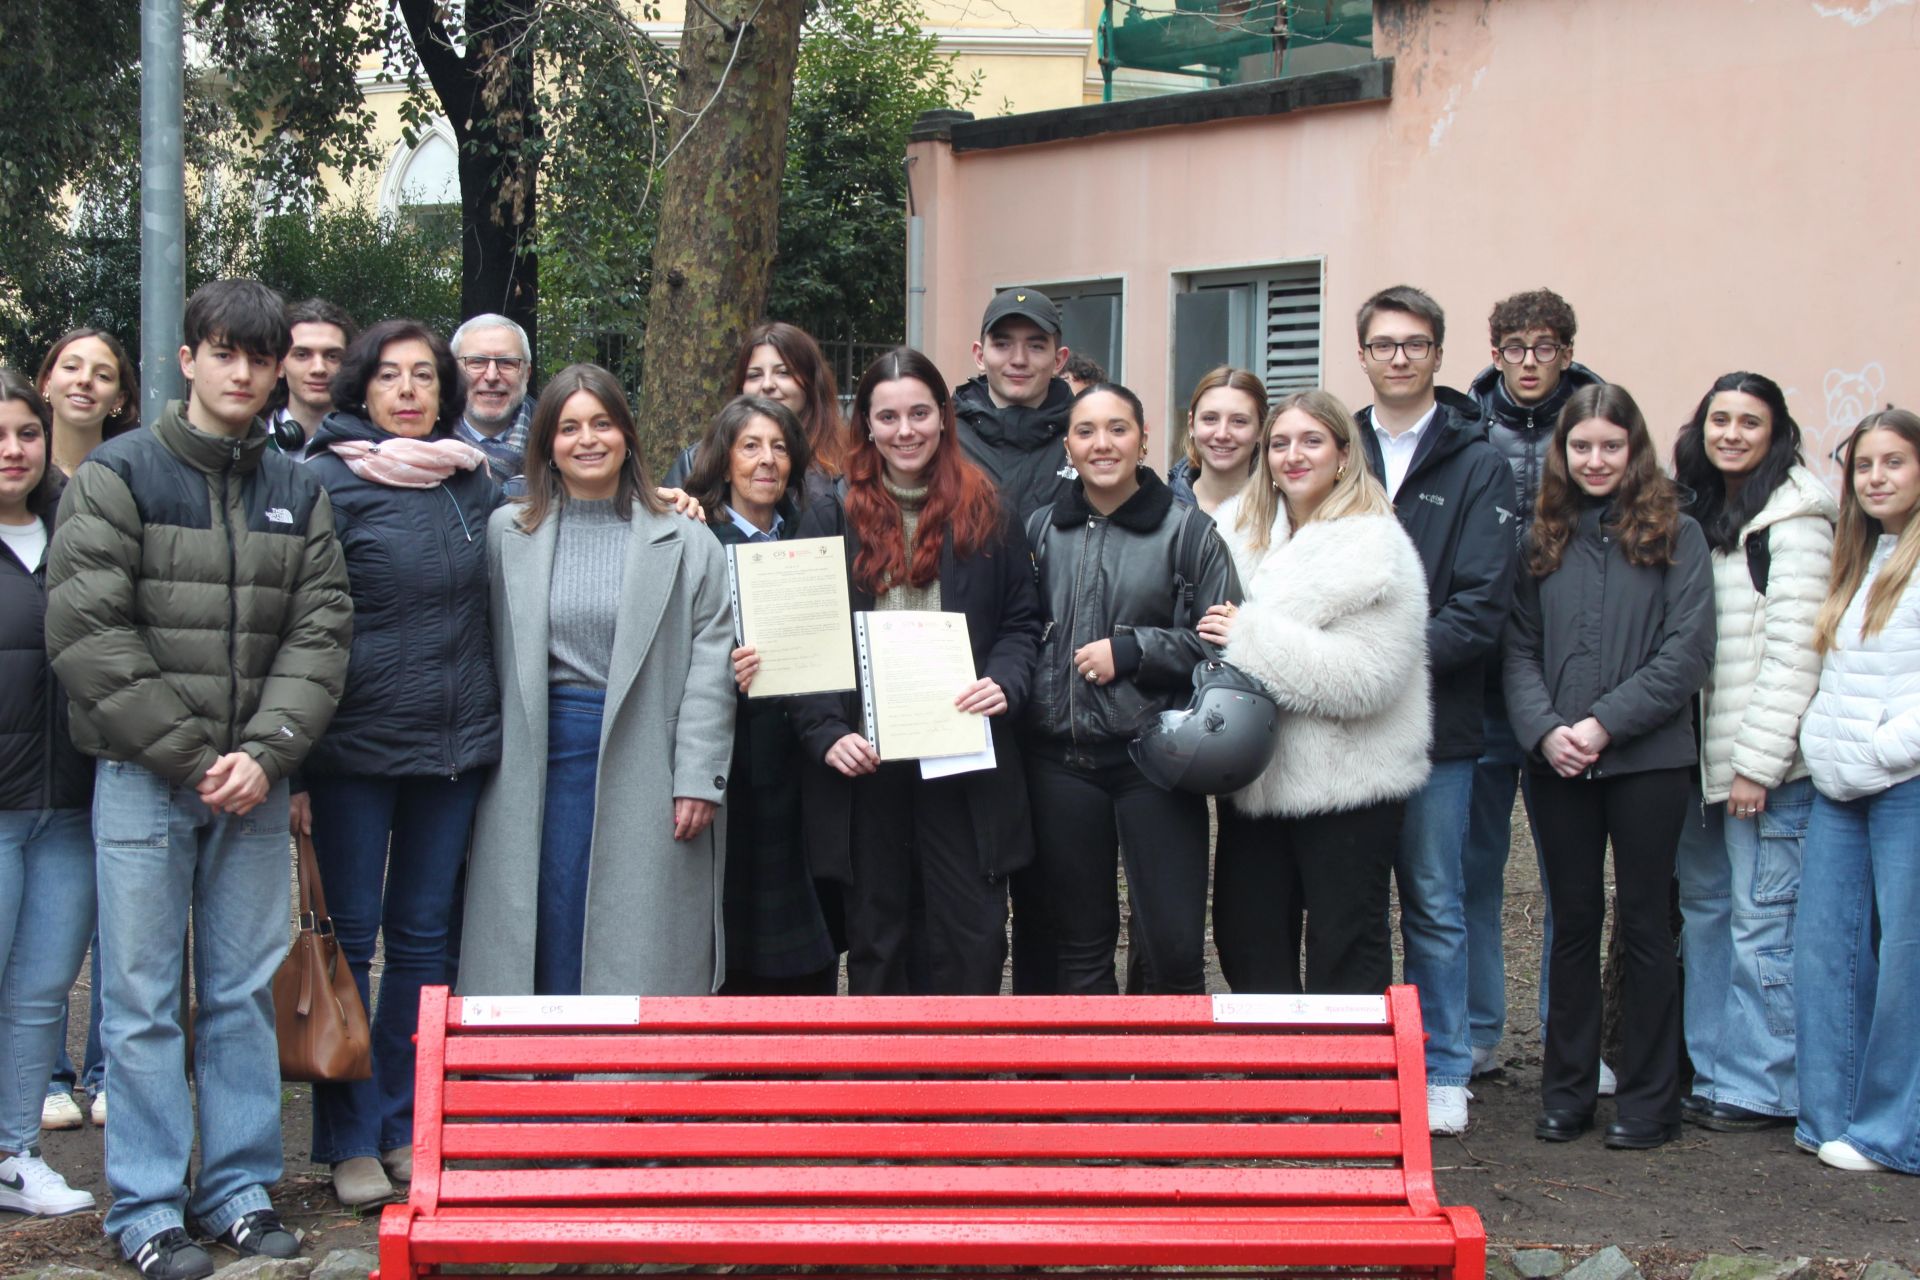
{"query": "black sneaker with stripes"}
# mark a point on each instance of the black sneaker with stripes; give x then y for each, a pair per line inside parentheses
(170, 1255)
(260, 1234)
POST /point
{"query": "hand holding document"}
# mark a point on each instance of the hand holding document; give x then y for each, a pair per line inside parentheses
(913, 666)
(790, 606)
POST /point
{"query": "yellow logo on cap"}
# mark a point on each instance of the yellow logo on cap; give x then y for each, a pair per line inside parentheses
(1019, 297)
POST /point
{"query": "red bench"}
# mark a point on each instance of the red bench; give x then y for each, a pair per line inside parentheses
(1174, 1131)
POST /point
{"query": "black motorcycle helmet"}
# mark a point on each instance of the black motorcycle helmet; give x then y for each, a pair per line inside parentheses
(1220, 743)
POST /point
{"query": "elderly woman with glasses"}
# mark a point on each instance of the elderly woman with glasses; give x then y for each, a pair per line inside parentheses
(393, 786)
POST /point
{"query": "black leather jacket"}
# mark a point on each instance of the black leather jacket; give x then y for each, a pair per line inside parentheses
(1522, 432)
(1121, 577)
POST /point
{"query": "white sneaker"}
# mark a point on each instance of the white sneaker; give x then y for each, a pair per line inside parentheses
(1840, 1154)
(1447, 1108)
(1608, 1083)
(29, 1185)
(99, 1109)
(1486, 1059)
(60, 1111)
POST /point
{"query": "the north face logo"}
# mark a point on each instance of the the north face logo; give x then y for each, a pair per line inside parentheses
(279, 515)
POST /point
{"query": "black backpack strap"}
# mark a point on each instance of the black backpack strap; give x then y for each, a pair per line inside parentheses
(1759, 558)
(1187, 546)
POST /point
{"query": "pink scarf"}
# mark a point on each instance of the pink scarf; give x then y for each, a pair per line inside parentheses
(402, 462)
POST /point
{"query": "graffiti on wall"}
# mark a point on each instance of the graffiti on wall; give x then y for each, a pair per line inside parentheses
(1850, 395)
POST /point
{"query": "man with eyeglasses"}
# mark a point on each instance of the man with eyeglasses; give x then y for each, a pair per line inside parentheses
(1520, 395)
(1454, 496)
(498, 361)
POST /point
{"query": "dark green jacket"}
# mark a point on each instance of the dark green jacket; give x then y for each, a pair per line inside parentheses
(197, 602)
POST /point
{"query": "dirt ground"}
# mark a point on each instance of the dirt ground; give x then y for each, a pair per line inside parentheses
(1706, 1193)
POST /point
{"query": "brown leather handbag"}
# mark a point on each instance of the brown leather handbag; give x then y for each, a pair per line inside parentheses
(317, 1011)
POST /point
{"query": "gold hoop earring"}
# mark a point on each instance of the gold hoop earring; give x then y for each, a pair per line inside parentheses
(1340, 473)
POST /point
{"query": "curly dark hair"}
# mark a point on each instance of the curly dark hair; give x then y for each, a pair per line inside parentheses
(1646, 506)
(1722, 519)
(362, 361)
(1534, 309)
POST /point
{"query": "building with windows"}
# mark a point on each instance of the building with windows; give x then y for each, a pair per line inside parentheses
(1714, 185)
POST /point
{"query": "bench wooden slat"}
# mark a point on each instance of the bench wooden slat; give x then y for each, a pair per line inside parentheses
(919, 1097)
(820, 1141)
(1308, 1238)
(918, 1013)
(925, 1184)
(937, 1053)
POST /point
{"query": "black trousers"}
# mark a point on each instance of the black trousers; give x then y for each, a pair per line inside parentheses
(1643, 814)
(1334, 867)
(1083, 817)
(922, 918)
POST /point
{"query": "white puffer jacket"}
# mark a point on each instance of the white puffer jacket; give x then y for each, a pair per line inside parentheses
(1764, 666)
(1335, 624)
(1862, 733)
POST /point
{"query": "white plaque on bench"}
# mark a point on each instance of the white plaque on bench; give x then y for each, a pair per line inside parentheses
(550, 1011)
(1322, 1009)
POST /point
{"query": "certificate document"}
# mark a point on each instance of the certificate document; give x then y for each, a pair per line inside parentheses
(790, 604)
(912, 667)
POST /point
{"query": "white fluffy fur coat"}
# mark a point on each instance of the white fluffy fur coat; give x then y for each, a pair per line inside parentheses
(1335, 624)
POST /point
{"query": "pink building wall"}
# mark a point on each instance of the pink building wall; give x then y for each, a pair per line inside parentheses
(1713, 184)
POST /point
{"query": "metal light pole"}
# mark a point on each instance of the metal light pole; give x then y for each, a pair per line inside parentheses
(163, 207)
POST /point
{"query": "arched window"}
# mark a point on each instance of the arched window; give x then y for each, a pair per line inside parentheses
(422, 183)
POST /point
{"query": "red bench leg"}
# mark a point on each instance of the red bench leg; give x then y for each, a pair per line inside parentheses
(1471, 1257)
(396, 1249)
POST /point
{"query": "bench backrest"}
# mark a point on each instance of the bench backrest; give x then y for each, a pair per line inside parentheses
(1203, 1101)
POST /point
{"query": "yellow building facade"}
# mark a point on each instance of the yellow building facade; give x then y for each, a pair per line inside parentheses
(1028, 55)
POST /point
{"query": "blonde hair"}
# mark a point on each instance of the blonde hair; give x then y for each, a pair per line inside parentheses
(1855, 538)
(1355, 492)
(1225, 375)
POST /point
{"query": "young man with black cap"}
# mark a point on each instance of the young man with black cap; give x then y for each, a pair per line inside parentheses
(1013, 416)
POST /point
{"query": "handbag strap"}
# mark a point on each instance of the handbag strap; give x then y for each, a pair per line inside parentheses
(313, 898)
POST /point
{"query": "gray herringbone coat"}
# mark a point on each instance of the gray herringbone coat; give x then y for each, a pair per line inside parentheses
(653, 903)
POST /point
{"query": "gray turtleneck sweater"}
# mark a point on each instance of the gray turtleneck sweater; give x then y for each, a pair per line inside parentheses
(583, 602)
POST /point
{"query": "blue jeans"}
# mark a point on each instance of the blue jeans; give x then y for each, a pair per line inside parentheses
(1498, 773)
(162, 856)
(1739, 883)
(428, 822)
(566, 836)
(1433, 920)
(92, 1074)
(46, 912)
(1856, 972)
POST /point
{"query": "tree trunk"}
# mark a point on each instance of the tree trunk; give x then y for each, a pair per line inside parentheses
(719, 208)
(486, 93)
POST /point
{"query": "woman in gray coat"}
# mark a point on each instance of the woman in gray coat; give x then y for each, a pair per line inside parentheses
(597, 862)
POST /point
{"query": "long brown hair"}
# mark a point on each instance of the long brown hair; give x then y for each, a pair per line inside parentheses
(820, 409)
(127, 416)
(961, 502)
(545, 492)
(1855, 537)
(1646, 506)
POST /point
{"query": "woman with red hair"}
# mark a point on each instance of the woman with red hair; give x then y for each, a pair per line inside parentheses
(924, 861)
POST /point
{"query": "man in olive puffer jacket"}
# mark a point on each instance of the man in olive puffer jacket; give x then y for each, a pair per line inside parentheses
(198, 618)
